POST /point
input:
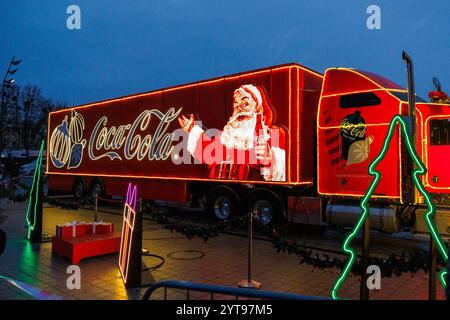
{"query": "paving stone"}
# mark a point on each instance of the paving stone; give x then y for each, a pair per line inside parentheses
(224, 263)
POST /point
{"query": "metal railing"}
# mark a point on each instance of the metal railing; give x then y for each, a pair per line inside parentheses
(223, 290)
(29, 290)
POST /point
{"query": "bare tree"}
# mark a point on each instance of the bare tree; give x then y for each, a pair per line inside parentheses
(29, 126)
(9, 99)
(27, 116)
(32, 117)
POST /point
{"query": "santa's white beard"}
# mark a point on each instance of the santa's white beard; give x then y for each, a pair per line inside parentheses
(239, 134)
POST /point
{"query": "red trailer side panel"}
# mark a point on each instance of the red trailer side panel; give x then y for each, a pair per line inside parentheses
(140, 136)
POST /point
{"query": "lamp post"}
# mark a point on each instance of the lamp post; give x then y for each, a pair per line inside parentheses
(7, 83)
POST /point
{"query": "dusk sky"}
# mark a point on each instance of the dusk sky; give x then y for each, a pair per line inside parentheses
(126, 47)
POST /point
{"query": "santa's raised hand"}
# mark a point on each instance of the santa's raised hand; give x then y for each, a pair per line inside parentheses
(185, 123)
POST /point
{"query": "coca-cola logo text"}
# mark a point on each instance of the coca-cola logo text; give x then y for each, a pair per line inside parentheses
(129, 141)
(353, 131)
(133, 137)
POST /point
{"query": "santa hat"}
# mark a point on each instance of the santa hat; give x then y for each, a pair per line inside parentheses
(259, 95)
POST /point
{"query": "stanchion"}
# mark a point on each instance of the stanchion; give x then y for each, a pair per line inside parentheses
(432, 271)
(364, 290)
(96, 209)
(249, 282)
(144, 250)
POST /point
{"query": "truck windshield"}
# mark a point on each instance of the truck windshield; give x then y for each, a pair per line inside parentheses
(440, 132)
(403, 96)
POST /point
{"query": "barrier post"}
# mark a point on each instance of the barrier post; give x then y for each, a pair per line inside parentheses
(432, 270)
(96, 209)
(249, 283)
(364, 290)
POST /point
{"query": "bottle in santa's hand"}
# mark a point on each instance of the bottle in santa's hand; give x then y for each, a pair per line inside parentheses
(260, 139)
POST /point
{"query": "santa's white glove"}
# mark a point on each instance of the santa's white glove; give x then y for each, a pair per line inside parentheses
(263, 154)
(185, 123)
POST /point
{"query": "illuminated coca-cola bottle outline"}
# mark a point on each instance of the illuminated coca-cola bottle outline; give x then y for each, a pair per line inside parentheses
(351, 131)
(260, 137)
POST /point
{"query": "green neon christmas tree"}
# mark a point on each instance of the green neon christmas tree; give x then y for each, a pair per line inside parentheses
(34, 200)
(429, 214)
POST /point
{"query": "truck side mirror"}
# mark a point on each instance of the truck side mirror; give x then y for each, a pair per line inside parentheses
(2, 241)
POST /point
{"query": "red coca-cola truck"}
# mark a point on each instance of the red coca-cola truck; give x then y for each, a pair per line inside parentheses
(284, 142)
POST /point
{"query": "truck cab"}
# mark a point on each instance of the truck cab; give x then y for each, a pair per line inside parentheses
(433, 146)
(354, 114)
(353, 118)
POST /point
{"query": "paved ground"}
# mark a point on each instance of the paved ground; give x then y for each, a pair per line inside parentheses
(221, 260)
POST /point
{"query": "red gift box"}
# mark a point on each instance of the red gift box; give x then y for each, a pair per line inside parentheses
(71, 230)
(89, 228)
(103, 227)
(100, 227)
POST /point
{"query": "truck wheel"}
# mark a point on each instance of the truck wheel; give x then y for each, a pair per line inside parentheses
(222, 203)
(96, 190)
(266, 207)
(79, 189)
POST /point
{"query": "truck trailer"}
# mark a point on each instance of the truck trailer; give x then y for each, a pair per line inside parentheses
(284, 142)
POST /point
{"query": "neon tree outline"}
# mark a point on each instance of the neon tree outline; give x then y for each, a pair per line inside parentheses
(431, 208)
(35, 184)
(129, 219)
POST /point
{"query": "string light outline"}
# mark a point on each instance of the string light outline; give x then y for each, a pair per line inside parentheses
(37, 172)
(431, 208)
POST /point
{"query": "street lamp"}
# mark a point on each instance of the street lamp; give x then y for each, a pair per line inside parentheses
(15, 62)
(7, 83)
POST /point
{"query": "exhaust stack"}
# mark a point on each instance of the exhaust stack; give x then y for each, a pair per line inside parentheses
(412, 190)
(410, 79)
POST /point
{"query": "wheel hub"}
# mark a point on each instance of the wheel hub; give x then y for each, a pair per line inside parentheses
(263, 212)
(222, 207)
(79, 190)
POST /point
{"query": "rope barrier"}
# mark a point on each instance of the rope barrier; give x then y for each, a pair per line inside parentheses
(60, 197)
(110, 200)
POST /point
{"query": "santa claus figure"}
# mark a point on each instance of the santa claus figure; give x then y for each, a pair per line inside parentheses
(248, 147)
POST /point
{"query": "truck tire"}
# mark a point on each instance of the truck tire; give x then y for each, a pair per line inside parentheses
(267, 208)
(97, 189)
(222, 203)
(79, 188)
